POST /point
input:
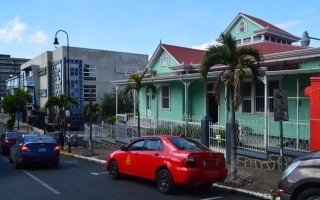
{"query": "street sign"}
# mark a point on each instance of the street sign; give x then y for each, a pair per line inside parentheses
(280, 105)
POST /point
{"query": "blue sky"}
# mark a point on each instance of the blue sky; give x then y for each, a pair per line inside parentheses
(28, 27)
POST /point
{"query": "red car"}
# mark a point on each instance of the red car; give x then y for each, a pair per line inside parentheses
(8, 139)
(168, 160)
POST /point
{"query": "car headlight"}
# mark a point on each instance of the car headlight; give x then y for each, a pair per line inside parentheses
(290, 168)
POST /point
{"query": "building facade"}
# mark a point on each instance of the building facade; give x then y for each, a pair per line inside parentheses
(9, 68)
(86, 77)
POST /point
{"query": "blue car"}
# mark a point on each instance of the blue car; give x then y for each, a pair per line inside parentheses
(35, 148)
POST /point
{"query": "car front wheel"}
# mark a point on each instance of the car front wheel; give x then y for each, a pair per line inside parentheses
(114, 170)
(312, 193)
(164, 181)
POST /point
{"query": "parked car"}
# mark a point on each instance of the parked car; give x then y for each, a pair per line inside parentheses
(35, 148)
(301, 179)
(168, 160)
(7, 139)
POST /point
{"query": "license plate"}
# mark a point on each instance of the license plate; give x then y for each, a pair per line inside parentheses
(42, 149)
(212, 173)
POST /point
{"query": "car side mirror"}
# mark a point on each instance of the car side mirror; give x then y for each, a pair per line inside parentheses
(123, 148)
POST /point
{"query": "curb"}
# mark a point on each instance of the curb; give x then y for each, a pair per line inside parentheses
(222, 187)
(103, 162)
(242, 191)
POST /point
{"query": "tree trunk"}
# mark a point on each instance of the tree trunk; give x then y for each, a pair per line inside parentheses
(234, 162)
(138, 110)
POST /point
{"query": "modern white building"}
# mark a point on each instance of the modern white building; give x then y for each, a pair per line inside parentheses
(90, 72)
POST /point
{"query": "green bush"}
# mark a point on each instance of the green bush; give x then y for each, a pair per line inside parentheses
(112, 120)
(10, 124)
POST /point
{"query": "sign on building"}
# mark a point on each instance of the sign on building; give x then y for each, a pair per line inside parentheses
(280, 104)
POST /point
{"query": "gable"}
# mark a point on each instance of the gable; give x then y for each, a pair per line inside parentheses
(159, 67)
(250, 28)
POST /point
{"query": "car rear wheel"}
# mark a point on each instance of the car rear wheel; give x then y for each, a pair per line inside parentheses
(17, 165)
(165, 181)
(114, 170)
(55, 164)
(308, 194)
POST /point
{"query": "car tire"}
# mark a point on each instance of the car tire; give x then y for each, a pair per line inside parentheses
(17, 165)
(165, 181)
(309, 193)
(113, 170)
(55, 164)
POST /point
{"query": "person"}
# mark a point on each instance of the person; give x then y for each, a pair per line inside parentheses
(69, 142)
(75, 140)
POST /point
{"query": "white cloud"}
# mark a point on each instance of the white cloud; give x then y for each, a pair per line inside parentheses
(13, 30)
(16, 30)
(39, 37)
(288, 24)
(203, 46)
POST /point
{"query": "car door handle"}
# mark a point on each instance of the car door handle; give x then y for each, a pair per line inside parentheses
(157, 154)
(135, 154)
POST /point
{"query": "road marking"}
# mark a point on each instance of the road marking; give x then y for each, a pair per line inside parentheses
(97, 173)
(212, 198)
(41, 182)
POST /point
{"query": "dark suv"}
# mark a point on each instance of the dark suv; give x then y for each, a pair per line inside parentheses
(301, 179)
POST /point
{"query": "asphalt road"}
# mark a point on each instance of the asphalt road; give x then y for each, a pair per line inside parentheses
(80, 179)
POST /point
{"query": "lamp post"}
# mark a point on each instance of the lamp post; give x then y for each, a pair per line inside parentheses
(56, 43)
(305, 40)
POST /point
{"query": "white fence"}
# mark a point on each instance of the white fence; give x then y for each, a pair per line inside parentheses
(255, 135)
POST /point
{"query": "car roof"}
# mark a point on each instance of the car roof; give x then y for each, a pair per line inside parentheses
(163, 136)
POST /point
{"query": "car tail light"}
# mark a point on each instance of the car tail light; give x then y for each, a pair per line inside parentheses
(57, 148)
(24, 148)
(280, 191)
(190, 162)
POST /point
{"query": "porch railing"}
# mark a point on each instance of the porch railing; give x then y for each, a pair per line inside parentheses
(253, 135)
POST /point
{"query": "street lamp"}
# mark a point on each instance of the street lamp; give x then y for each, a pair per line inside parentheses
(56, 43)
(305, 40)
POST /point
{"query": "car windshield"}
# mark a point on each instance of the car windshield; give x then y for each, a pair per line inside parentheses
(13, 134)
(188, 144)
(38, 138)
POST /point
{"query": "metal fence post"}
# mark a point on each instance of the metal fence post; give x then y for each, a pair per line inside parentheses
(204, 135)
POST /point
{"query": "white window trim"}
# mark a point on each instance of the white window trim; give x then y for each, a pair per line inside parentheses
(253, 94)
(169, 90)
(164, 59)
(244, 28)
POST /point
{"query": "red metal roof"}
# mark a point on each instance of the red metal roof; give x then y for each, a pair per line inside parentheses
(271, 47)
(264, 23)
(185, 55)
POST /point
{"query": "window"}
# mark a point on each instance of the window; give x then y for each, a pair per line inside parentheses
(89, 73)
(164, 60)
(89, 93)
(258, 96)
(257, 38)
(153, 145)
(246, 100)
(165, 97)
(138, 145)
(242, 27)
(238, 41)
(247, 40)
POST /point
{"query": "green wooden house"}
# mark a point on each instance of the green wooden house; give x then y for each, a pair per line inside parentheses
(183, 96)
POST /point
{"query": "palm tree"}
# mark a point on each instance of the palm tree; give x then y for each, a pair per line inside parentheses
(61, 102)
(237, 60)
(135, 83)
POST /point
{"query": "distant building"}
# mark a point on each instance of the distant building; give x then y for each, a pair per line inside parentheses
(9, 67)
(90, 73)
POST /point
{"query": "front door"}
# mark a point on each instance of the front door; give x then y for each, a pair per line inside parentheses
(148, 103)
(212, 104)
